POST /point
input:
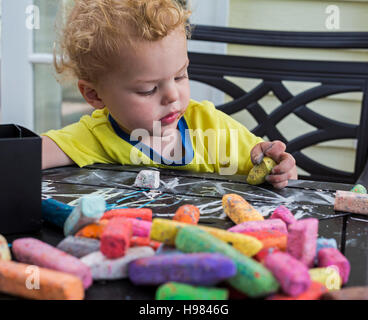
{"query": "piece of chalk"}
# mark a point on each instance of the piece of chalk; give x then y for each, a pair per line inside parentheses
(252, 278)
(93, 230)
(78, 246)
(261, 255)
(283, 213)
(165, 231)
(140, 228)
(166, 249)
(204, 269)
(333, 257)
(257, 175)
(358, 188)
(136, 241)
(329, 277)
(182, 291)
(302, 240)
(238, 209)
(324, 243)
(115, 239)
(55, 212)
(4, 249)
(351, 293)
(16, 279)
(148, 179)
(187, 213)
(142, 213)
(314, 292)
(351, 202)
(34, 251)
(89, 210)
(270, 238)
(103, 268)
(260, 225)
(292, 274)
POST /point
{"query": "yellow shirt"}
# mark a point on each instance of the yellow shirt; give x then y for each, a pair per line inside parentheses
(213, 141)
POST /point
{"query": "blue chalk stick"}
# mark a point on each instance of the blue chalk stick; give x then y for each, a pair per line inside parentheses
(55, 212)
(324, 243)
(89, 210)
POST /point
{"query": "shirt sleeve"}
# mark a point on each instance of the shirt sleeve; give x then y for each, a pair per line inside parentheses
(80, 144)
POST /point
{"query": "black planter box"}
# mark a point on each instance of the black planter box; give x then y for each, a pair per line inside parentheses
(20, 180)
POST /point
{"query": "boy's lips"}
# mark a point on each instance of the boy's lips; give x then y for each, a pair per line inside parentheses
(170, 118)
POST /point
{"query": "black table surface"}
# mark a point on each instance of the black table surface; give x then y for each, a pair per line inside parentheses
(305, 199)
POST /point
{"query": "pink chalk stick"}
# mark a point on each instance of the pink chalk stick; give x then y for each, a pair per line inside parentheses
(284, 214)
(115, 239)
(36, 252)
(351, 202)
(260, 225)
(141, 228)
(302, 240)
(332, 256)
(292, 274)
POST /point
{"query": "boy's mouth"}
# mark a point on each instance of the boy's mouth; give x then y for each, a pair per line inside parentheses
(170, 118)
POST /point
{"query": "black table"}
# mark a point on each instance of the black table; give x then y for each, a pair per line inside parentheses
(304, 198)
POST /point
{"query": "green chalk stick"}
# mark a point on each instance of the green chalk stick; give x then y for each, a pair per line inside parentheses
(182, 291)
(252, 278)
(358, 188)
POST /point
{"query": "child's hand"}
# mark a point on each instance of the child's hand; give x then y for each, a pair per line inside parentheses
(285, 168)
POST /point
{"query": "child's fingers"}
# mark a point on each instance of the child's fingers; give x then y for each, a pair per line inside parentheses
(280, 185)
(275, 151)
(259, 150)
(277, 178)
(287, 162)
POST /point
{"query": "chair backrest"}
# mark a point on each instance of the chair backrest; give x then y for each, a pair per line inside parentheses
(334, 77)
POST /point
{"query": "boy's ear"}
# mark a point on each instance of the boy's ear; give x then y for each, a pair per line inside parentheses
(90, 94)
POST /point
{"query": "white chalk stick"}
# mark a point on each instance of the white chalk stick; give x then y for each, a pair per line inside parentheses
(103, 268)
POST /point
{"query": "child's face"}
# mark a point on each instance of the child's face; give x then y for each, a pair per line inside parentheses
(149, 84)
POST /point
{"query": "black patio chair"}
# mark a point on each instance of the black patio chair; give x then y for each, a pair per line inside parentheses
(334, 77)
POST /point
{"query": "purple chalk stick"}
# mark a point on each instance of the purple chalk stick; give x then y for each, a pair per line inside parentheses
(332, 256)
(283, 213)
(192, 268)
(292, 274)
(36, 252)
(260, 225)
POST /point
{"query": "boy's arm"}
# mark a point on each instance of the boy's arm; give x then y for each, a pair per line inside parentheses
(52, 155)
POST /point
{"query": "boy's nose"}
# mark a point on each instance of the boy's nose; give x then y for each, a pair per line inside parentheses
(170, 95)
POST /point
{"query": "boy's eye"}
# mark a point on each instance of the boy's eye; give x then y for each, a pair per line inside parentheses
(181, 77)
(147, 93)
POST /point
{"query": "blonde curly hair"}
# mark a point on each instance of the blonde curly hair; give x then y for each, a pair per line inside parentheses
(92, 32)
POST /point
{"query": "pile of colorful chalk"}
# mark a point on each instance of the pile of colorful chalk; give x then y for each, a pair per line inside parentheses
(275, 258)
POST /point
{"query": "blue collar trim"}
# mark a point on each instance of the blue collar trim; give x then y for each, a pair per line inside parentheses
(152, 154)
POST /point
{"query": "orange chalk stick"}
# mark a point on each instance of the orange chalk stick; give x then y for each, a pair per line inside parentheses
(21, 280)
(136, 241)
(238, 209)
(187, 214)
(143, 213)
(270, 238)
(93, 230)
(314, 292)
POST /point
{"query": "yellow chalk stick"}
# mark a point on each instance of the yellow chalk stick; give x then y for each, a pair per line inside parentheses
(4, 249)
(165, 230)
(238, 209)
(259, 172)
(328, 276)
